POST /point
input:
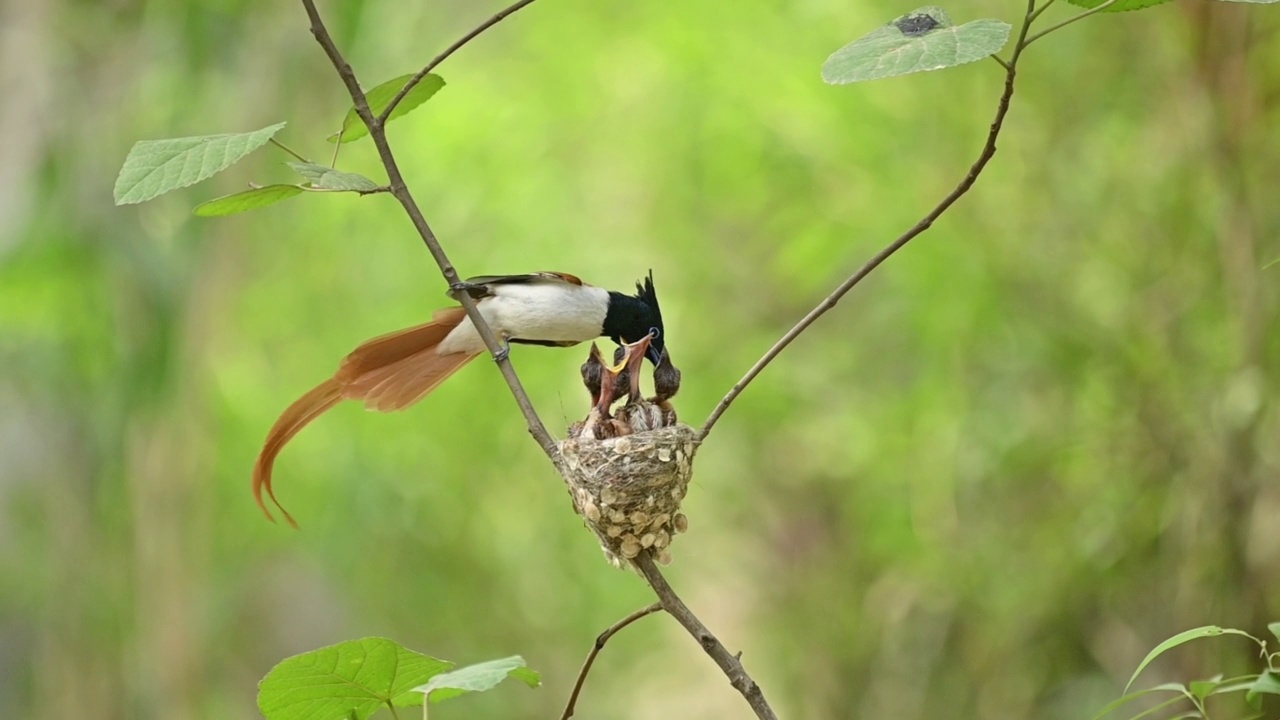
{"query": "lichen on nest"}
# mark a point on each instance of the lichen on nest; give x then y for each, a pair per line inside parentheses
(628, 489)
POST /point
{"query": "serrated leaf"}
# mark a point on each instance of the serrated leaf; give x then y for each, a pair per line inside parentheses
(154, 167)
(1127, 5)
(350, 679)
(326, 178)
(923, 39)
(353, 128)
(1266, 684)
(478, 678)
(247, 200)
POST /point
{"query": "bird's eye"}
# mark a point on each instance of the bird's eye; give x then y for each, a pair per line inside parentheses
(655, 333)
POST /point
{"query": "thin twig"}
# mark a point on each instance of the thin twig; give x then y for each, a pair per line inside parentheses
(1068, 21)
(1035, 13)
(417, 78)
(988, 151)
(401, 193)
(595, 650)
(288, 149)
(728, 663)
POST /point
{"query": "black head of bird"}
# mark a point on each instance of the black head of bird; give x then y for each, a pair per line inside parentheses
(632, 317)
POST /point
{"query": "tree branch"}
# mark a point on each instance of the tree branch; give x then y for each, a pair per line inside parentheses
(595, 650)
(988, 151)
(417, 78)
(378, 133)
(730, 664)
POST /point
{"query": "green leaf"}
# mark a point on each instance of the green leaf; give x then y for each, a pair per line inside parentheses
(247, 200)
(1275, 626)
(1202, 688)
(154, 167)
(350, 679)
(326, 178)
(923, 39)
(1126, 5)
(1130, 697)
(478, 678)
(1266, 684)
(353, 127)
(1179, 639)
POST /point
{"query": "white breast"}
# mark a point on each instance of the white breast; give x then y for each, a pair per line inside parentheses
(555, 312)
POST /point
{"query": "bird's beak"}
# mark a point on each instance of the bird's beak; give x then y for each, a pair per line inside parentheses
(639, 347)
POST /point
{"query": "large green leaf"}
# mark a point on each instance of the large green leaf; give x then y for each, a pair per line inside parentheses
(1266, 684)
(326, 178)
(350, 679)
(247, 200)
(478, 678)
(154, 167)
(353, 127)
(922, 40)
(1179, 639)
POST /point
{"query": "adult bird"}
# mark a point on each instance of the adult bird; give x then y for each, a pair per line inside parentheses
(393, 371)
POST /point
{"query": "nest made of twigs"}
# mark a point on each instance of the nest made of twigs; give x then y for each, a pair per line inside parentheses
(628, 489)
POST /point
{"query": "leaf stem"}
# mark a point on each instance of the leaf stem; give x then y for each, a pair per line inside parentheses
(287, 149)
(1069, 20)
(595, 650)
(377, 132)
(1036, 13)
(392, 706)
(337, 145)
(417, 78)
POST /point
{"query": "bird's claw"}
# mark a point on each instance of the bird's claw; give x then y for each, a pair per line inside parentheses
(475, 290)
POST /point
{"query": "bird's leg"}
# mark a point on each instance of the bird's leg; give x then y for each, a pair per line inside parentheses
(503, 352)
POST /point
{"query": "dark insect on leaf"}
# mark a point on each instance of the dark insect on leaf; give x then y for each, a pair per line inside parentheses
(916, 25)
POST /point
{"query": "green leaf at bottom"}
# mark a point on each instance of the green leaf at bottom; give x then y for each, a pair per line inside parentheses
(350, 679)
(247, 200)
(326, 178)
(478, 678)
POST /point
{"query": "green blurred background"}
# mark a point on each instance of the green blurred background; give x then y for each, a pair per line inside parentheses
(1036, 443)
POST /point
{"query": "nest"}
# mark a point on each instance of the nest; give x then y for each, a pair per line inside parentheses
(629, 488)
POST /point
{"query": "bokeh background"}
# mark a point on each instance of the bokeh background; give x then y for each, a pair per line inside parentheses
(1038, 442)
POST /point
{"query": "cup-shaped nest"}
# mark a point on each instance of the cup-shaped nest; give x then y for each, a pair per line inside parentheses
(628, 489)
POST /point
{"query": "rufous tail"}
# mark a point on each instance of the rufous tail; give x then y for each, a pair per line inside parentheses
(390, 372)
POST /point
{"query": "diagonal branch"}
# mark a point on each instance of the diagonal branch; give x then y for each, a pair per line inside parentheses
(988, 151)
(417, 78)
(401, 193)
(730, 664)
(595, 650)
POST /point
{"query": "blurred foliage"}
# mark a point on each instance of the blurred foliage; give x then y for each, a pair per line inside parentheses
(1037, 442)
